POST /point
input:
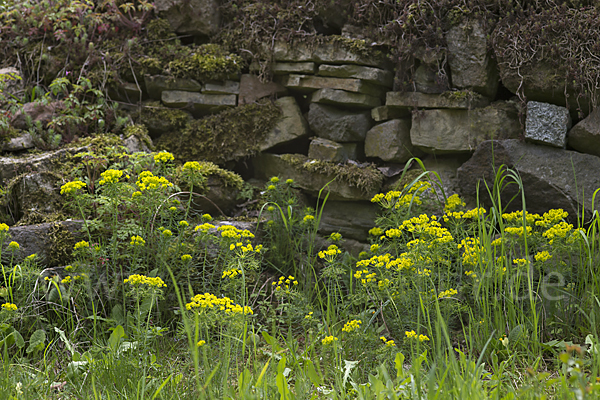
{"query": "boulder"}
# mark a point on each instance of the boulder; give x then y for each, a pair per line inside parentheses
(552, 177)
(22, 142)
(547, 124)
(156, 84)
(328, 150)
(10, 167)
(461, 131)
(345, 99)
(338, 125)
(470, 63)
(226, 87)
(309, 179)
(35, 195)
(219, 200)
(352, 219)
(36, 111)
(40, 239)
(190, 17)
(285, 68)
(385, 113)
(198, 101)
(375, 76)
(310, 83)
(252, 89)
(585, 136)
(459, 100)
(327, 52)
(289, 127)
(390, 141)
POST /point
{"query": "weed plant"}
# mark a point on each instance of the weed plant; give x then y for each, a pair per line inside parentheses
(160, 301)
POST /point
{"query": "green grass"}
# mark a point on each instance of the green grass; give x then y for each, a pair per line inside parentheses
(162, 302)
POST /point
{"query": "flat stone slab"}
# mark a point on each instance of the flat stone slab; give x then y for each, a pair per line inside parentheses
(352, 219)
(547, 124)
(454, 100)
(385, 113)
(328, 52)
(22, 142)
(461, 131)
(156, 84)
(285, 68)
(252, 89)
(198, 101)
(552, 177)
(267, 165)
(309, 83)
(227, 87)
(328, 150)
(376, 76)
(343, 98)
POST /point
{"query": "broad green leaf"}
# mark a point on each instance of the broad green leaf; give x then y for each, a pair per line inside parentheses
(37, 341)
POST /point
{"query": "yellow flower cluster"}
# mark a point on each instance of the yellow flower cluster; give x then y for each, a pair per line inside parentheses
(471, 214)
(472, 250)
(377, 231)
(186, 257)
(447, 293)
(335, 237)
(413, 335)
(191, 166)
(242, 250)
(471, 274)
(231, 273)
(365, 277)
(512, 230)
(351, 326)
(552, 217)
(208, 300)
(9, 307)
(308, 218)
(274, 179)
(559, 230)
(374, 248)
(328, 340)
(201, 343)
(330, 254)
(167, 233)
(231, 232)
(3, 227)
(395, 199)
(135, 194)
(517, 217)
(453, 202)
(424, 272)
(139, 280)
(520, 262)
(163, 157)
(204, 227)
(81, 245)
(13, 246)
(388, 343)
(137, 241)
(184, 224)
(110, 176)
(147, 181)
(542, 256)
(386, 260)
(285, 283)
(72, 187)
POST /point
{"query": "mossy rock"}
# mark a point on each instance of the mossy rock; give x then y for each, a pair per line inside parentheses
(231, 134)
(207, 62)
(343, 181)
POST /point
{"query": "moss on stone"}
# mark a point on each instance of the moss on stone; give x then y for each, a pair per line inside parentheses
(62, 242)
(159, 119)
(366, 178)
(139, 131)
(206, 62)
(231, 134)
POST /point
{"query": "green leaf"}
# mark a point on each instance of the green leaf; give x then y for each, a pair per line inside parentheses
(63, 337)
(37, 341)
(311, 372)
(115, 338)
